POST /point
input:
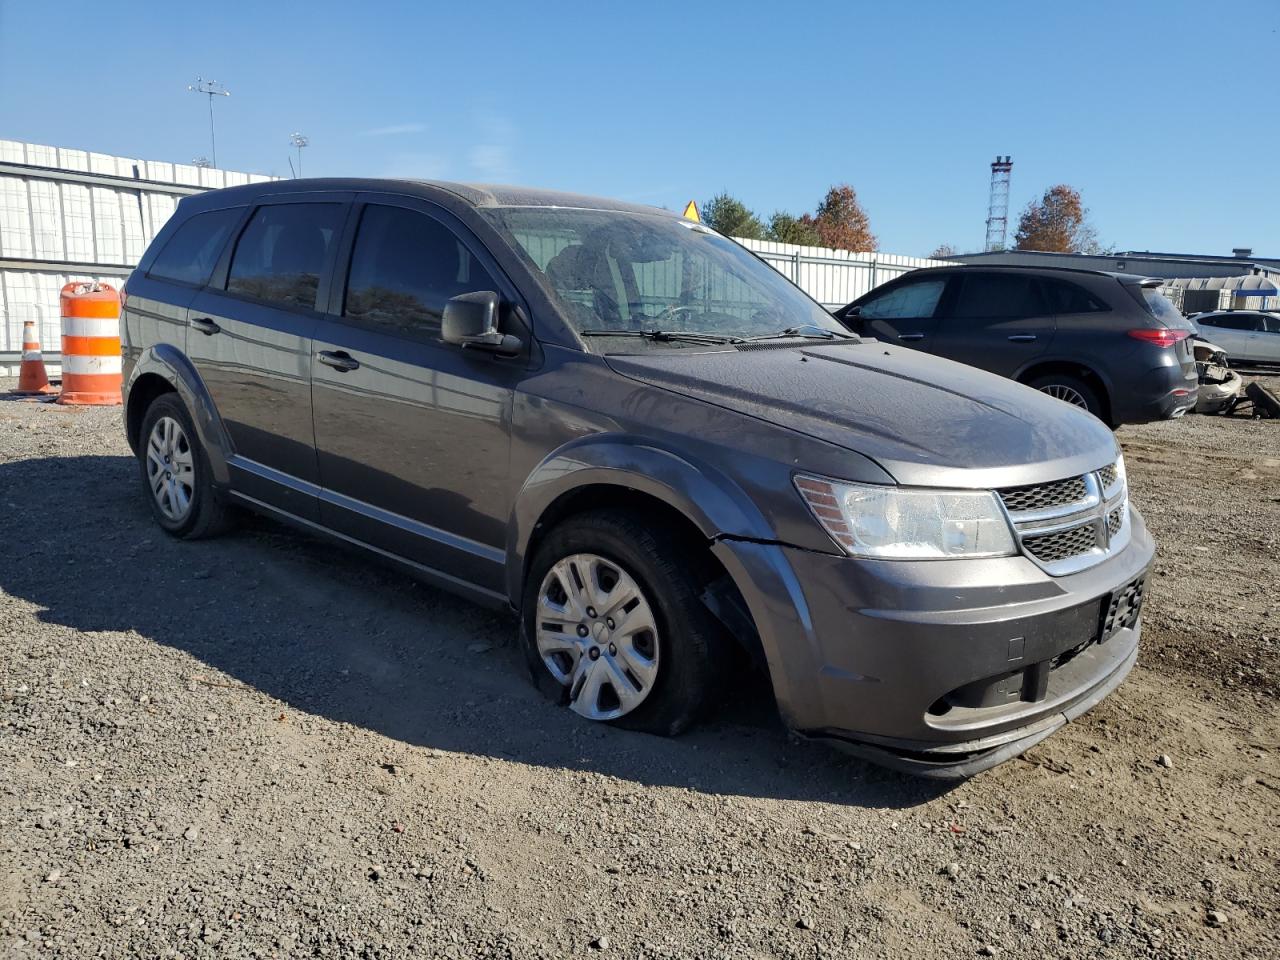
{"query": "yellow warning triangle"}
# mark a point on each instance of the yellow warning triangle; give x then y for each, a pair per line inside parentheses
(691, 212)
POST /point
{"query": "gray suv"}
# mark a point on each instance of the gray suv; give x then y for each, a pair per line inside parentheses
(649, 445)
(1107, 342)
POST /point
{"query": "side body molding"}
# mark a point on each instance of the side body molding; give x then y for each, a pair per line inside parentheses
(169, 362)
(713, 502)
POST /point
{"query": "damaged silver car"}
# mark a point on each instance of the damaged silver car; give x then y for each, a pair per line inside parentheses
(1220, 386)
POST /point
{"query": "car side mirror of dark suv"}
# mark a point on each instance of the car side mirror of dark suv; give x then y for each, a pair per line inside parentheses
(471, 321)
(852, 318)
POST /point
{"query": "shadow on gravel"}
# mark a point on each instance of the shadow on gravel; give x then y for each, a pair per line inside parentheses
(335, 634)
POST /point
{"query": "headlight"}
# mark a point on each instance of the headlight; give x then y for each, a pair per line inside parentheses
(908, 523)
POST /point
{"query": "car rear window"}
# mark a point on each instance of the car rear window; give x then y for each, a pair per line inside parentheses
(190, 254)
(282, 252)
(1164, 311)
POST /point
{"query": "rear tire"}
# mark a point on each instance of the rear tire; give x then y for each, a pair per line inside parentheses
(665, 678)
(175, 473)
(1070, 390)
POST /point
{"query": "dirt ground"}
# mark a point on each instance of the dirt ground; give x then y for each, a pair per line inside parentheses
(263, 746)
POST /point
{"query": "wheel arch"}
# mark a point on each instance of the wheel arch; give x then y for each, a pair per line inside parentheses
(1073, 368)
(163, 368)
(615, 470)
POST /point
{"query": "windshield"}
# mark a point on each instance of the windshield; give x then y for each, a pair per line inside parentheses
(616, 274)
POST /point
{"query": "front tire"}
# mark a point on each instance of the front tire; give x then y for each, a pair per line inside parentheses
(175, 472)
(614, 626)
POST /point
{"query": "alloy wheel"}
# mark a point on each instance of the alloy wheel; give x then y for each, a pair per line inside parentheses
(1060, 391)
(596, 634)
(171, 473)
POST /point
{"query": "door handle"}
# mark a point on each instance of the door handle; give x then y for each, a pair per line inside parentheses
(205, 326)
(1022, 337)
(340, 360)
(910, 336)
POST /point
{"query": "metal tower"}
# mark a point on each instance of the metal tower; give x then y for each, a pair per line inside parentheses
(998, 205)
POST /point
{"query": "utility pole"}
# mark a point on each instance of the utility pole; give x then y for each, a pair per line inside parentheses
(998, 204)
(211, 89)
(299, 141)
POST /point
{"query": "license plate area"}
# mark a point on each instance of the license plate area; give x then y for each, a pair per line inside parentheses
(1122, 609)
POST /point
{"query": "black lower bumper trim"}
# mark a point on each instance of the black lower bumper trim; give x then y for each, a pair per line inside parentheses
(959, 761)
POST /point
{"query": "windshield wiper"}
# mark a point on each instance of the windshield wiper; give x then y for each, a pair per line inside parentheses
(666, 336)
(808, 332)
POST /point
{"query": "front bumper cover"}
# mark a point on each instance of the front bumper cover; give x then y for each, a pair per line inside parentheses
(939, 669)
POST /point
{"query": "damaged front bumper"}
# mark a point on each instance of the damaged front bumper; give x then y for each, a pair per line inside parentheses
(1220, 386)
(940, 669)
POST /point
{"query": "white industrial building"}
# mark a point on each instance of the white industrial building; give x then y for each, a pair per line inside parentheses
(75, 215)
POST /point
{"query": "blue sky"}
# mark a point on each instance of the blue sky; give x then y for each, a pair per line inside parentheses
(1162, 114)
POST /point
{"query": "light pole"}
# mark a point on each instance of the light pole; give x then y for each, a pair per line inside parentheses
(211, 89)
(299, 141)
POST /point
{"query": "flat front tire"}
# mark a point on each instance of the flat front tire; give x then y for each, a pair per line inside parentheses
(614, 626)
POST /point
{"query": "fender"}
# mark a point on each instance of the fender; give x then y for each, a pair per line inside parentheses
(169, 362)
(710, 500)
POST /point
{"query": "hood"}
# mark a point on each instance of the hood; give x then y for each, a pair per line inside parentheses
(925, 420)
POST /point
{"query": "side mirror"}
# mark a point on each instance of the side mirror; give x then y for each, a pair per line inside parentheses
(471, 320)
(852, 318)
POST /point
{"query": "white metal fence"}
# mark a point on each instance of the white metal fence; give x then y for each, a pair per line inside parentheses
(74, 215)
(835, 277)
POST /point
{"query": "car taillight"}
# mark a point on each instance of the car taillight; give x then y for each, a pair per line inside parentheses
(1161, 337)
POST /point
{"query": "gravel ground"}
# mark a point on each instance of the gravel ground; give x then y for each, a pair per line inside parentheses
(263, 746)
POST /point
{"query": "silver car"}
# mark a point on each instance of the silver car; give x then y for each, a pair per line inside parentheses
(1246, 335)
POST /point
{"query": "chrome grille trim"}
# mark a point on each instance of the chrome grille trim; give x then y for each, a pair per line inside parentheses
(1070, 525)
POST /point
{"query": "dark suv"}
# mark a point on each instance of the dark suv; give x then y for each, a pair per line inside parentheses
(660, 454)
(1107, 342)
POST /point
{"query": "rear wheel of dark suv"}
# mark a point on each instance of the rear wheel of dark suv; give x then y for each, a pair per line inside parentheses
(1070, 390)
(175, 471)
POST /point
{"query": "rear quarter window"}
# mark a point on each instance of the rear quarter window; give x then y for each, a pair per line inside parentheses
(190, 255)
(1164, 311)
(1064, 297)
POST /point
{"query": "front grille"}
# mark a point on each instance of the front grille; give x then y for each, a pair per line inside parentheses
(1115, 520)
(1052, 547)
(1041, 496)
(1109, 475)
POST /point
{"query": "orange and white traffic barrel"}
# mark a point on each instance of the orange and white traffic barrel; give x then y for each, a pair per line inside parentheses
(90, 344)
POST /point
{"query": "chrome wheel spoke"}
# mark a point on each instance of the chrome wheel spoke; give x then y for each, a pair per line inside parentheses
(644, 669)
(629, 695)
(586, 693)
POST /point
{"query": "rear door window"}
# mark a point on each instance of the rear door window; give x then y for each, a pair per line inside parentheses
(404, 266)
(190, 255)
(1245, 322)
(998, 296)
(282, 253)
(911, 300)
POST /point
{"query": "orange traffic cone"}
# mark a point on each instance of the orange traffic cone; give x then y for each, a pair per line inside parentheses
(32, 378)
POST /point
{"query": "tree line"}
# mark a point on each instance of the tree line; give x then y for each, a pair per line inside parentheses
(1057, 222)
(839, 222)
